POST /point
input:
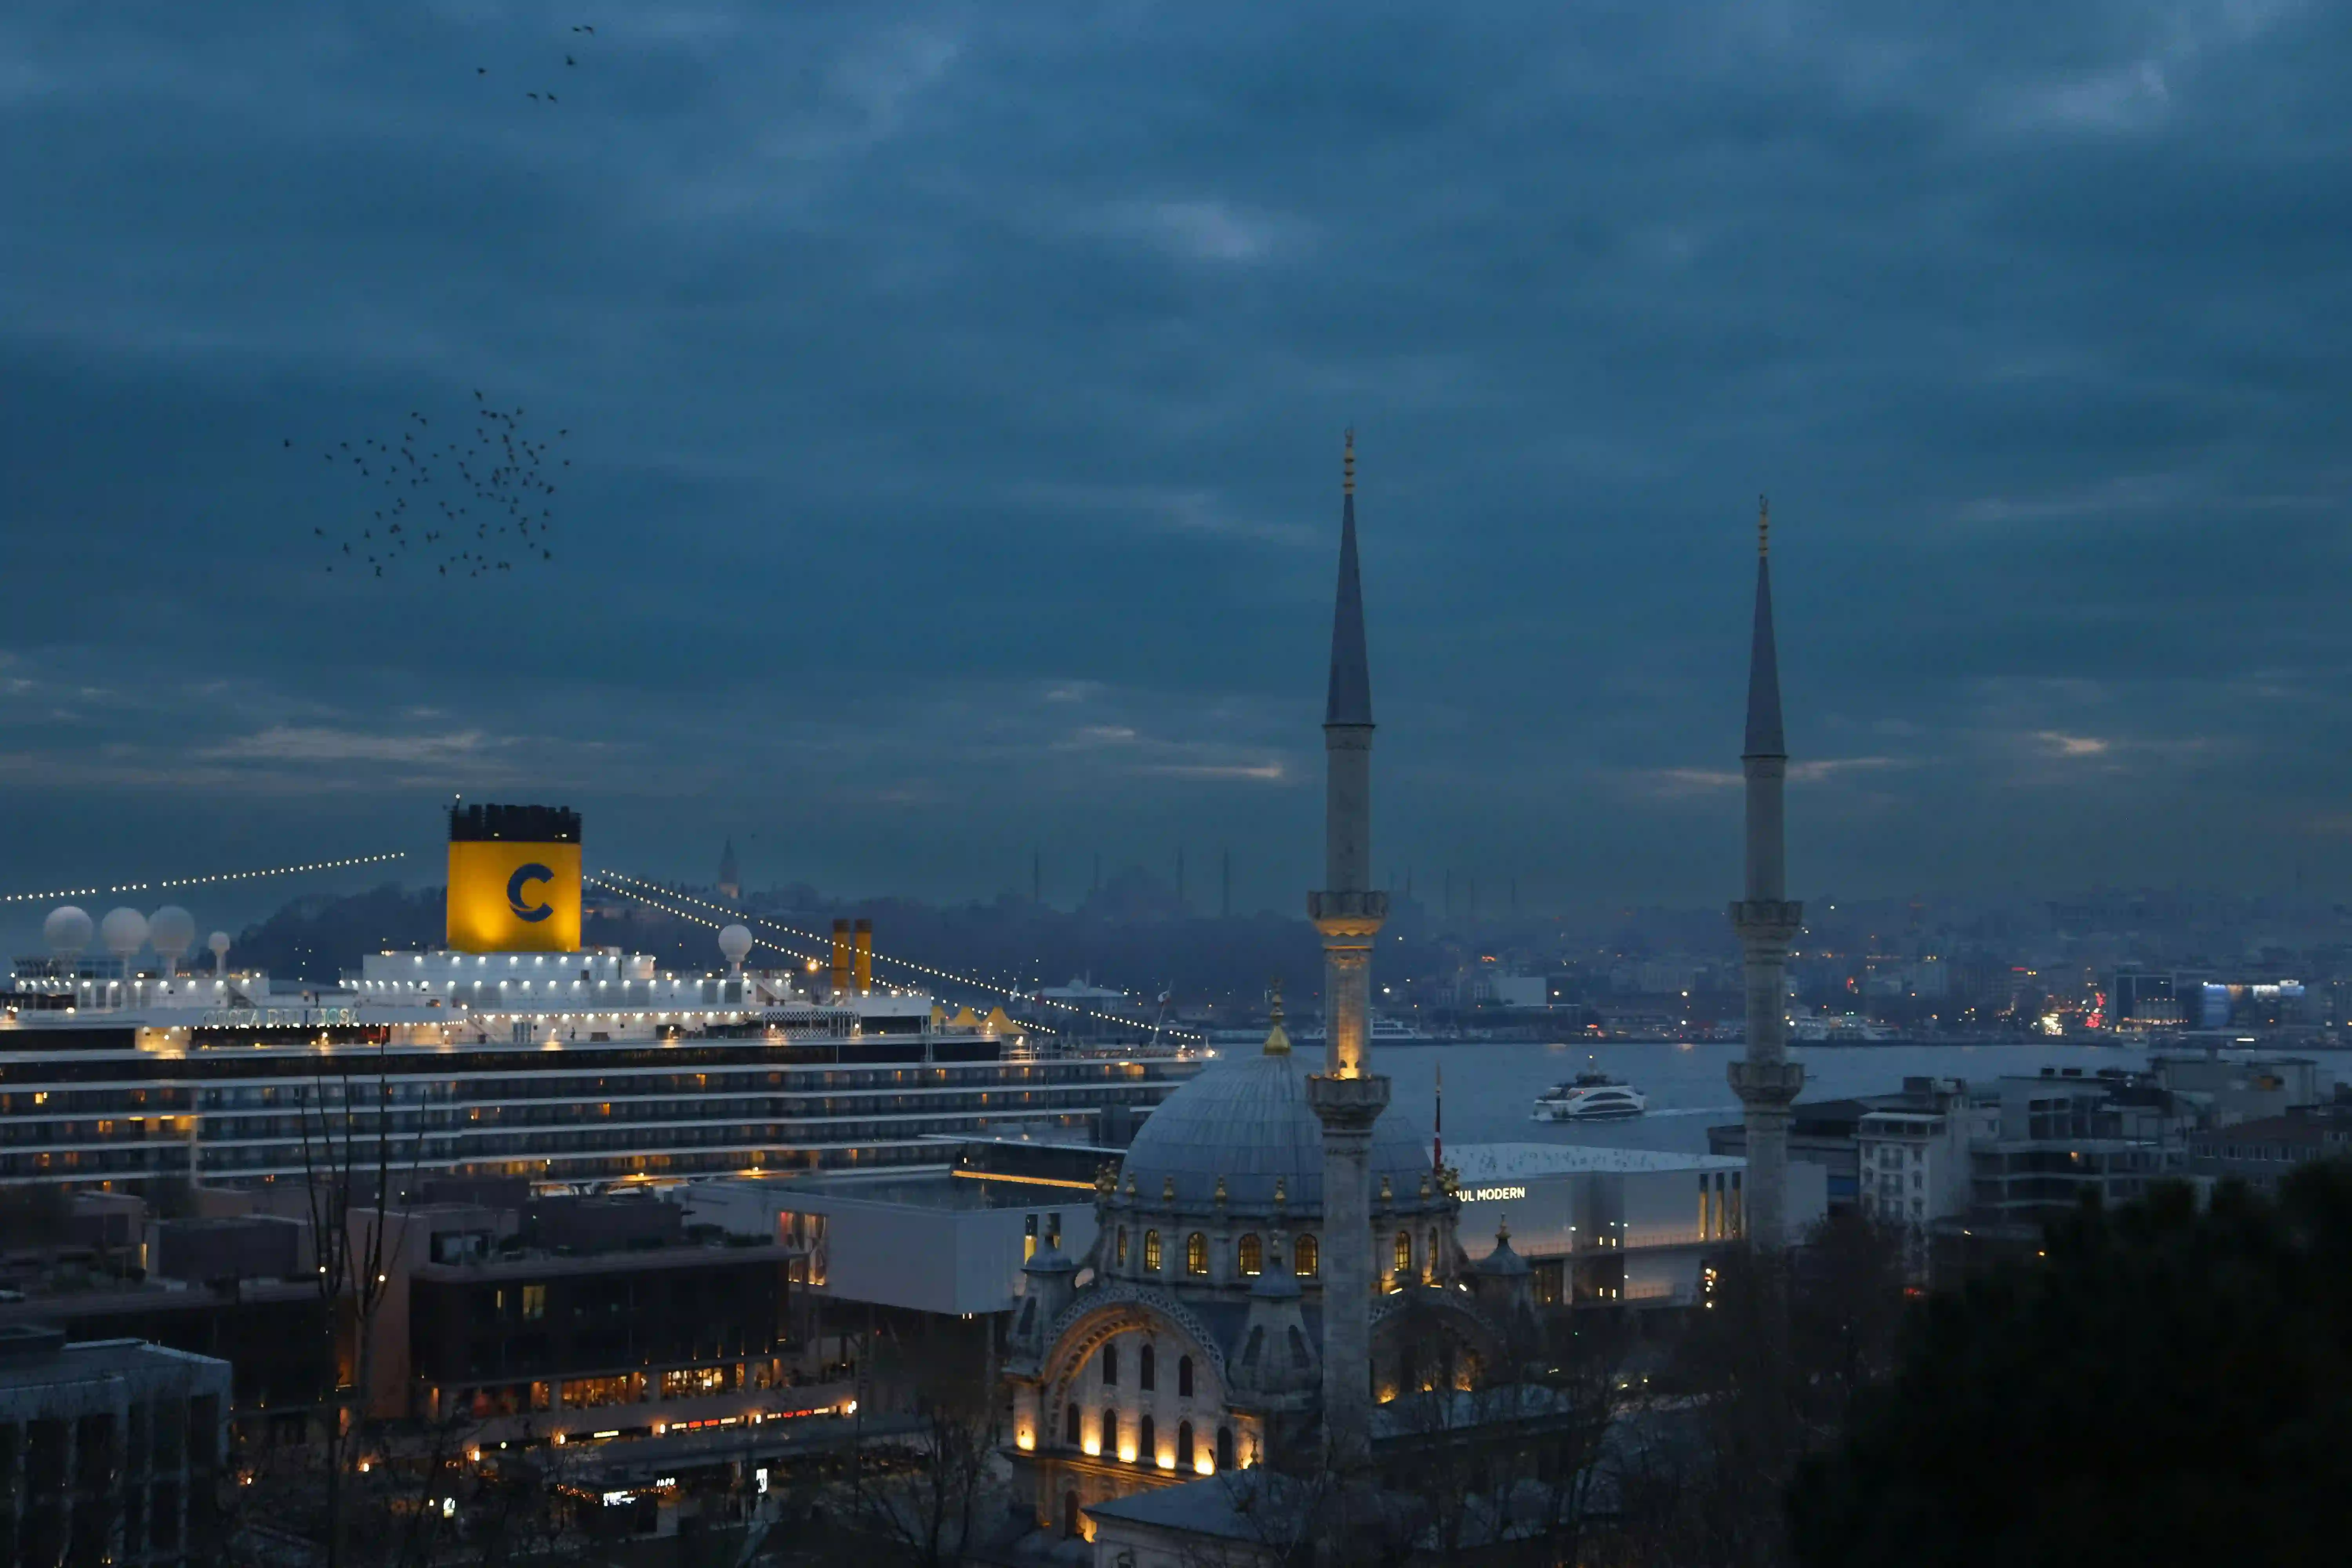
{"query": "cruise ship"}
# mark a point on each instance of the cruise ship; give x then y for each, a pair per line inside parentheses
(514, 1051)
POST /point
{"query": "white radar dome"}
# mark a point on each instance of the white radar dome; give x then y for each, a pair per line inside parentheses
(218, 943)
(124, 932)
(68, 930)
(735, 942)
(173, 929)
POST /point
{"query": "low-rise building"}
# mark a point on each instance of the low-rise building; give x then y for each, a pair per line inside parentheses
(2260, 1153)
(110, 1451)
(1599, 1225)
(950, 1241)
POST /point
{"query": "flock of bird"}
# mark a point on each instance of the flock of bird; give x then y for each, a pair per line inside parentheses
(473, 506)
(546, 95)
(467, 506)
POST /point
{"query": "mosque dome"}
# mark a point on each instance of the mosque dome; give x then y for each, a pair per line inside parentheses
(1247, 1120)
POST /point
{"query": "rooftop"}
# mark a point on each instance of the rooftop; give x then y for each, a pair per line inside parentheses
(92, 1360)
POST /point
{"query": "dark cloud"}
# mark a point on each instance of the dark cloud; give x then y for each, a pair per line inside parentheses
(955, 397)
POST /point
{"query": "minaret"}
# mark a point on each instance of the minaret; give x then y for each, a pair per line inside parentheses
(1767, 920)
(1346, 1097)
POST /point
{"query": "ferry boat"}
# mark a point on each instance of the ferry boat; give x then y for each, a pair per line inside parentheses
(1590, 1096)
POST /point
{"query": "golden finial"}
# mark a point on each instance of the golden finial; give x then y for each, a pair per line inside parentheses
(1503, 1231)
(1221, 1189)
(1277, 1041)
(1280, 1197)
(1388, 1193)
(1348, 465)
(1131, 1186)
(1168, 1190)
(1763, 526)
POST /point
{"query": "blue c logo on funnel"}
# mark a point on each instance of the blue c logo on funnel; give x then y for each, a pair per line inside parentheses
(530, 872)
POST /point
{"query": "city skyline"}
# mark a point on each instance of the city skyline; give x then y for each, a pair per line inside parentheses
(955, 414)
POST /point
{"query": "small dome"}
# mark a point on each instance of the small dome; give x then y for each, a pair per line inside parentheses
(124, 932)
(68, 930)
(1049, 1260)
(1503, 1263)
(1247, 1120)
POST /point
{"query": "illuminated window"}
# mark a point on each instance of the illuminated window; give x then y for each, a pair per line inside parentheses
(1251, 1254)
(693, 1382)
(534, 1302)
(1303, 1255)
(1122, 1246)
(1196, 1254)
(1404, 1253)
(1152, 1252)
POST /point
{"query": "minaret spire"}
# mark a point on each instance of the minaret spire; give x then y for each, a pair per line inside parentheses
(1764, 739)
(1347, 1096)
(1767, 921)
(1351, 698)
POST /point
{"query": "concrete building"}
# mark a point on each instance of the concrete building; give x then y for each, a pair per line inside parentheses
(1913, 1160)
(577, 1318)
(2241, 1086)
(1767, 921)
(951, 1241)
(1599, 1225)
(110, 1451)
(2261, 1153)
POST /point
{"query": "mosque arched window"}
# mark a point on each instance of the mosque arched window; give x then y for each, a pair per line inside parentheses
(1122, 1246)
(1187, 1457)
(1196, 1254)
(1251, 1255)
(1146, 1443)
(1225, 1447)
(1403, 1254)
(1109, 1432)
(1147, 1369)
(1070, 1433)
(1303, 1254)
(1110, 1364)
(1152, 1252)
(1184, 1377)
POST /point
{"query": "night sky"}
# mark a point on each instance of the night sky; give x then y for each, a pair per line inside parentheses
(955, 397)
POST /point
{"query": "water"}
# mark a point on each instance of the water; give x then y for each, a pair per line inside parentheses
(1488, 1087)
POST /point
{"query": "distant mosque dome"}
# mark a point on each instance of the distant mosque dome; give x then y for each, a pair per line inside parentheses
(1246, 1120)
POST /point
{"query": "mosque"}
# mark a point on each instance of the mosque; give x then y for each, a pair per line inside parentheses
(1275, 1278)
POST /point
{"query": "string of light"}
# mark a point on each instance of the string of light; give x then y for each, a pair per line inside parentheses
(951, 978)
(203, 882)
(758, 940)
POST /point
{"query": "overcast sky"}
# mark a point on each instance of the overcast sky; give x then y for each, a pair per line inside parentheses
(955, 397)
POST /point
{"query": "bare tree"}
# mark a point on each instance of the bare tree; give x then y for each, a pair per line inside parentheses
(347, 1165)
(926, 1500)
